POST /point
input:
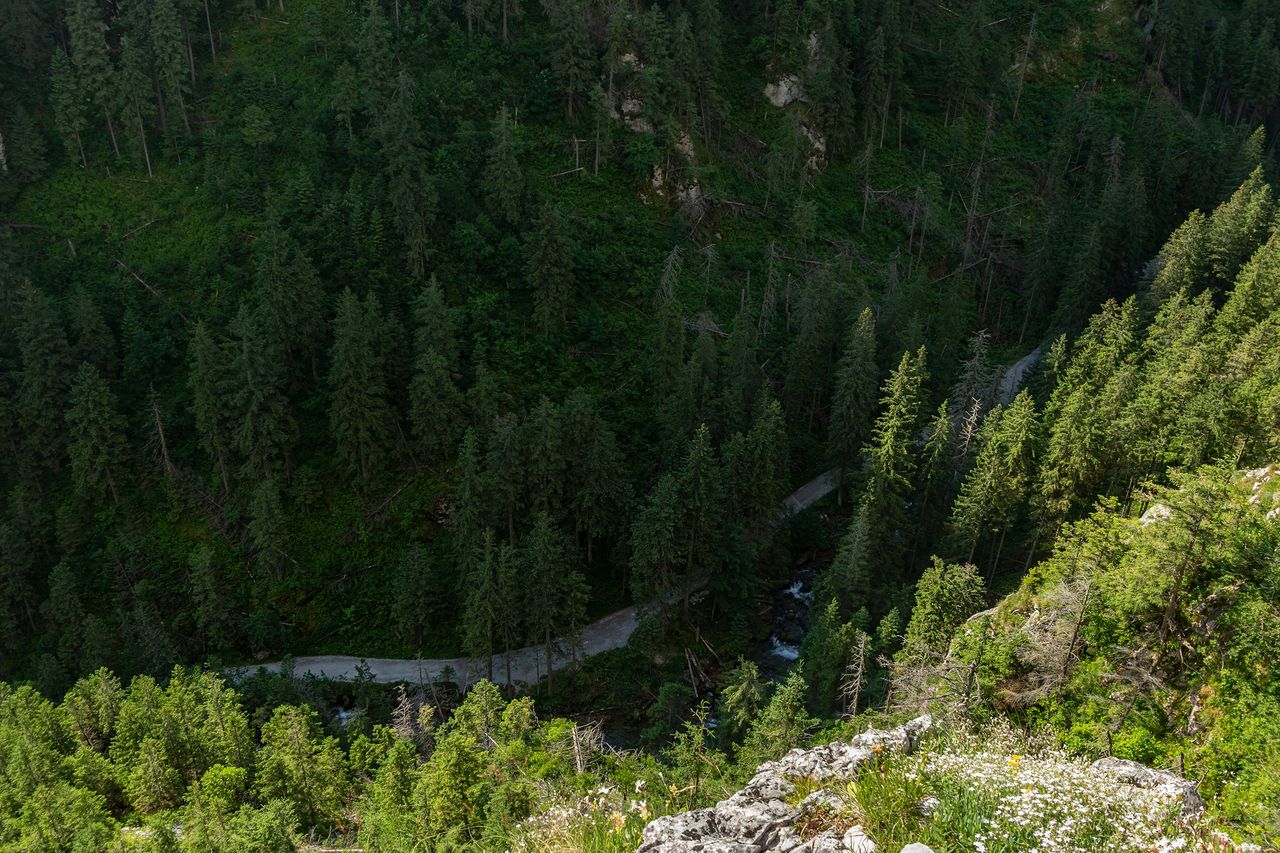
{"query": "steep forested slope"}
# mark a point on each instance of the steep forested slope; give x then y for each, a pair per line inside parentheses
(305, 302)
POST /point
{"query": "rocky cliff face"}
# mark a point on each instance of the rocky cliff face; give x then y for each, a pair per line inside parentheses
(768, 815)
(760, 817)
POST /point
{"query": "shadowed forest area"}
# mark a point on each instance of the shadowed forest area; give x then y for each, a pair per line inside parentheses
(433, 329)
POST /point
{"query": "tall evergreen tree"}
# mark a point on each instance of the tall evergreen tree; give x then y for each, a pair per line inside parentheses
(503, 180)
(208, 373)
(855, 393)
(572, 57)
(549, 269)
(480, 611)
(946, 595)
(996, 485)
(92, 61)
(68, 106)
(263, 426)
(361, 418)
(96, 435)
(409, 182)
(556, 593)
(891, 461)
(43, 385)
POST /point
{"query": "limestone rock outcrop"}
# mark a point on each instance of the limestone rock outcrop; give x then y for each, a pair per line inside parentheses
(760, 817)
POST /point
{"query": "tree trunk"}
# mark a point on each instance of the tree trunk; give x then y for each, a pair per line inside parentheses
(142, 134)
(111, 129)
(208, 22)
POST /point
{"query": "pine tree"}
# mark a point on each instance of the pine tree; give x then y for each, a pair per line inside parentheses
(656, 566)
(946, 595)
(505, 471)
(93, 341)
(43, 383)
(361, 419)
(503, 180)
(263, 426)
(556, 593)
(135, 90)
(208, 375)
(549, 269)
(409, 182)
(96, 435)
(891, 460)
(170, 59)
(572, 57)
(544, 441)
(92, 62)
(479, 615)
(290, 296)
(68, 106)
(855, 393)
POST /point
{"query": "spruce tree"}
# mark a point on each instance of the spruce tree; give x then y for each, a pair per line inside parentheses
(505, 471)
(137, 108)
(891, 461)
(503, 180)
(361, 419)
(290, 296)
(92, 338)
(43, 383)
(854, 402)
(263, 426)
(409, 182)
(657, 567)
(996, 485)
(68, 106)
(572, 57)
(556, 593)
(479, 615)
(549, 270)
(208, 374)
(700, 489)
(467, 511)
(92, 62)
(96, 436)
(946, 595)
(170, 60)
(548, 456)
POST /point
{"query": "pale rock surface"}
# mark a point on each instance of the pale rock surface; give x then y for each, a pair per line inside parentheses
(1142, 776)
(758, 818)
(786, 90)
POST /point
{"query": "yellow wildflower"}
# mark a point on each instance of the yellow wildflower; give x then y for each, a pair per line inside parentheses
(618, 821)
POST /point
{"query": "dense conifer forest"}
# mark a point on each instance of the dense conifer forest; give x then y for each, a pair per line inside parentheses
(430, 329)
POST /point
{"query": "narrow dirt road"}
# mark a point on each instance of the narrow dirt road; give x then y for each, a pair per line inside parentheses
(527, 664)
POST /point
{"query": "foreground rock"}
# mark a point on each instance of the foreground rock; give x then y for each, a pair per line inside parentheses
(1161, 781)
(759, 817)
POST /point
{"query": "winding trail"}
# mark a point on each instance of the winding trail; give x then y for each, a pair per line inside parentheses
(529, 664)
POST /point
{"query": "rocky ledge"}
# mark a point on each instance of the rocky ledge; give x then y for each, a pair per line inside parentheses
(761, 816)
